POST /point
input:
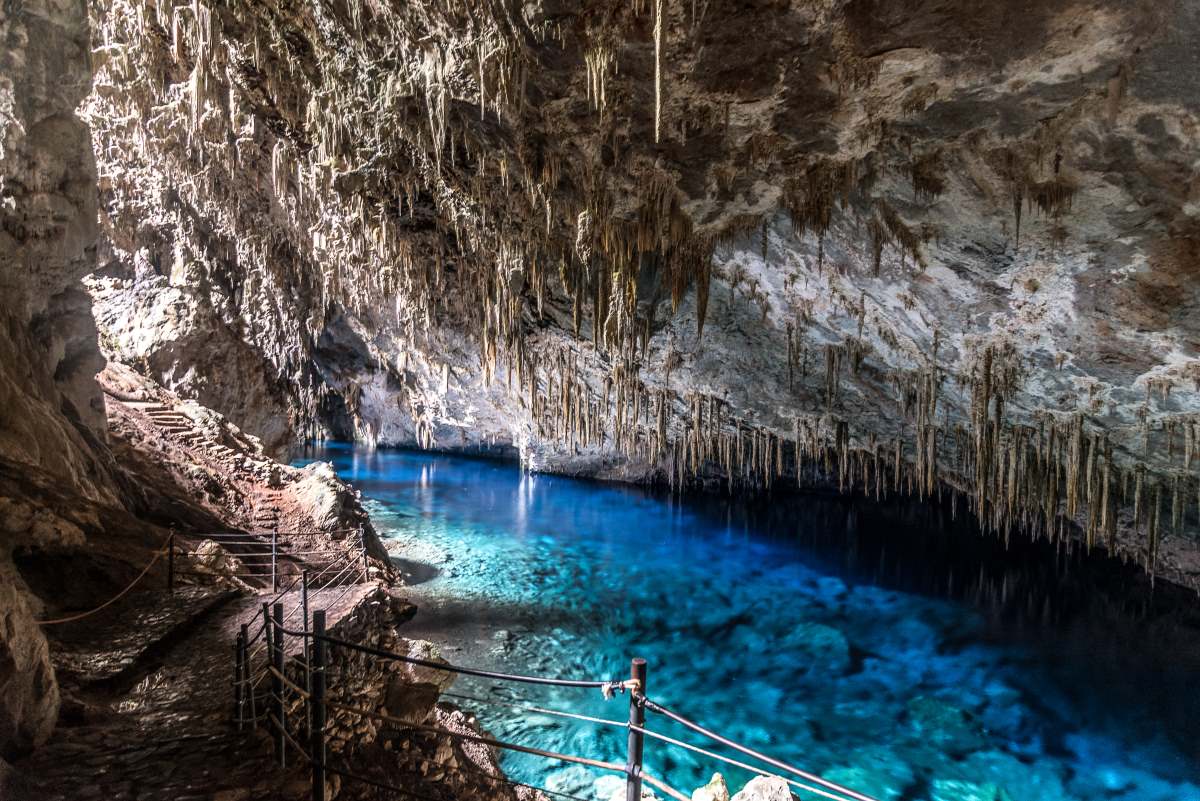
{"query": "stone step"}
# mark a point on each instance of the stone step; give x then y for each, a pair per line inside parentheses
(161, 416)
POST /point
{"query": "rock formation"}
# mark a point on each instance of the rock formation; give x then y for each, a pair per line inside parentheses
(910, 248)
(51, 411)
(940, 248)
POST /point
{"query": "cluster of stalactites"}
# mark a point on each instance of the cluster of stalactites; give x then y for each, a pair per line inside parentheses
(419, 151)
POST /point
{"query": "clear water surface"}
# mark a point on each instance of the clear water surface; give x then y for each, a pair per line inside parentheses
(839, 636)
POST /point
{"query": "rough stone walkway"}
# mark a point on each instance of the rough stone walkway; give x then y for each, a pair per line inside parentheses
(152, 719)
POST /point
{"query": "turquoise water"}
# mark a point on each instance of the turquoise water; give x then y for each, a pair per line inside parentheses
(882, 647)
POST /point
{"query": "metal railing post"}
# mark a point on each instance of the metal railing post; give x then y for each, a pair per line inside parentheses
(171, 561)
(316, 707)
(277, 685)
(637, 717)
(268, 655)
(244, 674)
(239, 653)
(362, 543)
(304, 603)
(304, 643)
(274, 559)
(250, 691)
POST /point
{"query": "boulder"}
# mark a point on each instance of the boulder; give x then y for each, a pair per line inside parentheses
(210, 557)
(715, 790)
(765, 788)
(412, 691)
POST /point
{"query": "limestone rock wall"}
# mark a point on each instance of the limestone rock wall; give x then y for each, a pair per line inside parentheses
(903, 246)
(51, 410)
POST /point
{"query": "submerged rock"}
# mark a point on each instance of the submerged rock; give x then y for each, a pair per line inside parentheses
(958, 790)
(940, 724)
(876, 771)
(821, 649)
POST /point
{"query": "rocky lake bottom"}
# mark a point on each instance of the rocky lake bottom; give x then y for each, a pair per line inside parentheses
(897, 653)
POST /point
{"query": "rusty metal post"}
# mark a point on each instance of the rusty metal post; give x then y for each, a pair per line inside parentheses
(304, 603)
(637, 717)
(362, 543)
(239, 651)
(171, 561)
(274, 560)
(304, 642)
(277, 685)
(316, 707)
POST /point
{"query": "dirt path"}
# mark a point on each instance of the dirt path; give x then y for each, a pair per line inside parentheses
(152, 721)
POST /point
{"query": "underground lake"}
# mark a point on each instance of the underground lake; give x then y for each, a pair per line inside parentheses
(883, 646)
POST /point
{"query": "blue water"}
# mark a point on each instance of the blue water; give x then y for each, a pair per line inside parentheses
(851, 643)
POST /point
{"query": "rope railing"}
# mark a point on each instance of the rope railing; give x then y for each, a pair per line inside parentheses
(158, 554)
(317, 642)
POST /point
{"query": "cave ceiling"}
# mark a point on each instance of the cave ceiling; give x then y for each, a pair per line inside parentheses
(906, 245)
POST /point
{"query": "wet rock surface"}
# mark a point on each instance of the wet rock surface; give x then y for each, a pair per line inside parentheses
(915, 248)
(169, 735)
(897, 249)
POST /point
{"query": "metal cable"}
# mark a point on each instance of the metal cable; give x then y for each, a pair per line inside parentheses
(446, 666)
(697, 749)
(292, 533)
(595, 763)
(380, 785)
(312, 552)
(543, 710)
(696, 727)
(349, 587)
(404, 724)
(327, 567)
(298, 607)
(286, 589)
(478, 771)
(333, 582)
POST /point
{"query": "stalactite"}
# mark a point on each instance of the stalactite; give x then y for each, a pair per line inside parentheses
(658, 38)
(1152, 532)
(833, 370)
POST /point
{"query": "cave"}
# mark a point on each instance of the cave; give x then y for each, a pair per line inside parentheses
(618, 399)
